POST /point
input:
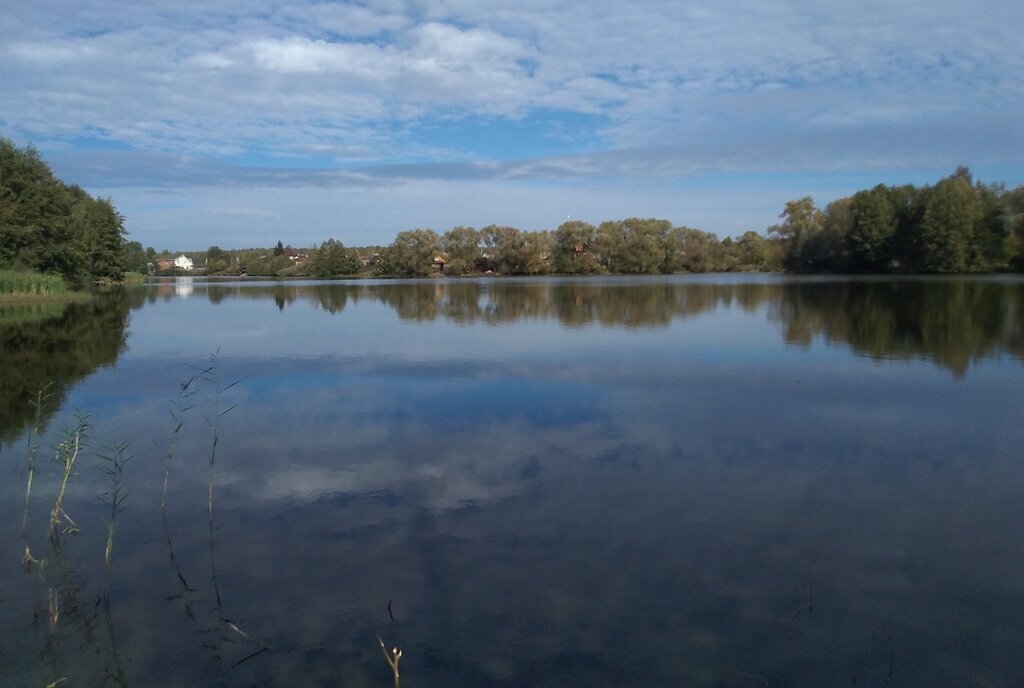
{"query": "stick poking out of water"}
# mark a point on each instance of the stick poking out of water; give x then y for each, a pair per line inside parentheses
(392, 658)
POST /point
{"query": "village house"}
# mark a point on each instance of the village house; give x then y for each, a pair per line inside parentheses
(182, 262)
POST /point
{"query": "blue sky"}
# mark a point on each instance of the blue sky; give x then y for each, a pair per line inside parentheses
(252, 120)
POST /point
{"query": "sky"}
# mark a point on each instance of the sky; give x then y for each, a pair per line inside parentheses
(243, 122)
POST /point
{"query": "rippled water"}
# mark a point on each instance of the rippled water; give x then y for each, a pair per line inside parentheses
(705, 481)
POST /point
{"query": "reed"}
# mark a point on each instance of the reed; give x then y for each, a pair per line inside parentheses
(39, 404)
(115, 460)
(211, 376)
(31, 283)
(67, 455)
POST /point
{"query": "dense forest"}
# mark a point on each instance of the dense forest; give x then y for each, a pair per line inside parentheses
(48, 226)
(955, 226)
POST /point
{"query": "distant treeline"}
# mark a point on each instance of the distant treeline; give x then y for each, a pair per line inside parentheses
(48, 226)
(955, 226)
(632, 246)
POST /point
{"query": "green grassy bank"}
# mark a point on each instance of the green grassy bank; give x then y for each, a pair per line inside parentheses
(31, 284)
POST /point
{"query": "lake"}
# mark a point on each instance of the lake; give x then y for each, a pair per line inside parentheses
(731, 480)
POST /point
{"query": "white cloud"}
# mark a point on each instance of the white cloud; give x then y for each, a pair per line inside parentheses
(670, 88)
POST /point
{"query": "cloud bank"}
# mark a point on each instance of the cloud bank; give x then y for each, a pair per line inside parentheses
(531, 97)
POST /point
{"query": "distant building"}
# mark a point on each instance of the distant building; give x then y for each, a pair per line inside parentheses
(182, 262)
(294, 255)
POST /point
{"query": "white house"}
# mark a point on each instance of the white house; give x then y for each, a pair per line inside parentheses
(183, 262)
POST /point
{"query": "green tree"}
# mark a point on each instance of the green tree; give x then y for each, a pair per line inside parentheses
(48, 226)
(217, 259)
(411, 254)
(535, 253)
(802, 224)
(100, 238)
(279, 249)
(695, 250)
(991, 231)
(573, 249)
(751, 252)
(503, 249)
(873, 230)
(461, 247)
(641, 245)
(332, 258)
(947, 226)
(1013, 202)
(134, 257)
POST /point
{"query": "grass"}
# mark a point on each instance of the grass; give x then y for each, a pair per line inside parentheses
(13, 282)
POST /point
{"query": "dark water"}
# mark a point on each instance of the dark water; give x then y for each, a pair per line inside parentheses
(739, 481)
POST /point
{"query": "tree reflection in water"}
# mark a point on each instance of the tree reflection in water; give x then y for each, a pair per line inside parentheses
(951, 322)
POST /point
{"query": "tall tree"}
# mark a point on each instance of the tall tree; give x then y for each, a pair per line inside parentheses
(573, 249)
(873, 229)
(48, 226)
(947, 225)
(461, 247)
(802, 223)
(332, 258)
(411, 254)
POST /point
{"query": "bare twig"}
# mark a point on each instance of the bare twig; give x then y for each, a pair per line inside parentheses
(392, 658)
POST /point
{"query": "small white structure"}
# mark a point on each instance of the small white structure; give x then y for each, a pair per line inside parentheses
(183, 262)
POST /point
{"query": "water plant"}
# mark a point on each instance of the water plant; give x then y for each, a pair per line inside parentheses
(66, 456)
(39, 404)
(31, 283)
(115, 460)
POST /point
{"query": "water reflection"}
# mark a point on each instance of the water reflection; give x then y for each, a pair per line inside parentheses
(952, 322)
(616, 511)
(54, 346)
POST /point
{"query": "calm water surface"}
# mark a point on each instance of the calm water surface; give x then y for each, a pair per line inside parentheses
(707, 481)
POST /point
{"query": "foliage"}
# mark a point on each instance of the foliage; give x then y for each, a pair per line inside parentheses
(956, 226)
(411, 254)
(217, 259)
(50, 227)
(14, 282)
(136, 258)
(573, 249)
(630, 246)
(461, 247)
(260, 263)
(332, 258)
